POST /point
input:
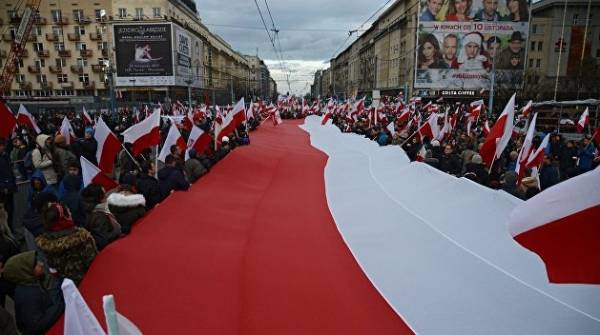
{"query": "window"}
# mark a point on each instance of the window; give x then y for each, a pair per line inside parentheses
(57, 30)
(122, 13)
(538, 63)
(80, 46)
(81, 62)
(103, 61)
(139, 13)
(61, 62)
(12, 13)
(39, 63)
(42, 79)
(64, 92)
(59, 46)
(38, 30)
(20, 78)
(84, 78)
(62, 78)
(103, 46)
(534, 29)
(56, 15)
(99, 13)
(38, 47)
(77, 15)
(156, 11)
(530, 62)
(540, 43)
(79, 30)
(533, 46)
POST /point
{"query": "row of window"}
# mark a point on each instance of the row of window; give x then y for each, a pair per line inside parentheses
(61, 78)
(536, 62)
(62, 62)
(139, 13)
(52, 93)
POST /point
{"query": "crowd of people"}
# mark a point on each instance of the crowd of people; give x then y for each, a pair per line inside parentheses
(66, 223)
(458, 152)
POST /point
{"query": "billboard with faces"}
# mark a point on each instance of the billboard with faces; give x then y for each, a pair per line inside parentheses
(463, 44)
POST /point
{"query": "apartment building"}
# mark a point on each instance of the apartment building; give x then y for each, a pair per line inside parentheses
(72, 53)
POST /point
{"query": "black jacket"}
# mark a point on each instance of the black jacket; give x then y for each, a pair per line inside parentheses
(450, 164)
(148, 187)
(7, 177)
(171, 179)
(127, 209)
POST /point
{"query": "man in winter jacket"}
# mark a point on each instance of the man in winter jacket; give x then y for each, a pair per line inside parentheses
(148, 186)
(38, 298)
(194, 168)
(586, 156)
(100, 222)
(63, 156)
(171, 178)
(450, 162)
(127, 207)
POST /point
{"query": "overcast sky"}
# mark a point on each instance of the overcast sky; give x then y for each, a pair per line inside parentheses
(310, 31)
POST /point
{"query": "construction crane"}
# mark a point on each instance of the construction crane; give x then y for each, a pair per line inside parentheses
(10, 68)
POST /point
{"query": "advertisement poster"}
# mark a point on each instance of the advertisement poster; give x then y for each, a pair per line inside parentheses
(463, 44)
(144, 54)
(184, 52)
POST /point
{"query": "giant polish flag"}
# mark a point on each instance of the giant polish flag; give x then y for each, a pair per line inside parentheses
(199, 140)
(108, 146)
(26, 119)
(499, 135)
(144, 134)
(231, 120)
(7, 121)
(562, 226)
(173, 138)
(92, 175)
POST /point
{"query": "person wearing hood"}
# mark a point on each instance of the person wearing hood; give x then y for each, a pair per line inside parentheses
(127, 207)
(38, 298)
(70, 250)
(63, 156)
(38, 185)
(69, 194)
(170, 178)
(100, 222)
(32, 220)
(42, 159)
(87, 146)
(148, 185)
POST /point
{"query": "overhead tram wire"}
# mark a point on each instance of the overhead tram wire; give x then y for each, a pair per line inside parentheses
(291, 29)
(276, 36)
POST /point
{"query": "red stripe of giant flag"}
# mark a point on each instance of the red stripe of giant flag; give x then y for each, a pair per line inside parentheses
(144, 134)
(108, 146)
(7, 121)
(561, 226)
(92, 175)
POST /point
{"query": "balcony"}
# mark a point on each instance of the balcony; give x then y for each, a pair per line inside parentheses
(67, 85)
(43, 53)
(74, 37)
(89, 85)
(61, 21)
(46, 85)
(32, 37)
(83, 20)
(52, 37)
(95, 36)
(55, 69)
(64, 53)
(25, 85)
(34, 69)
(40, 21)
(97, 68)
(77, 69)
(86, 53)
(7, 37)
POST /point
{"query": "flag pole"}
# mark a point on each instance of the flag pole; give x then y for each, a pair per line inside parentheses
(408, 139)
(492, 165)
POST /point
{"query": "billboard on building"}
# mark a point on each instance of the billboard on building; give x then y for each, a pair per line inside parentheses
(188, 58)
(144, 54)
(462, 43)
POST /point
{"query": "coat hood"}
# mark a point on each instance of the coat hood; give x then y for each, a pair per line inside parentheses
(41, 140)
(57, 242)
(72, 183)
(19, 269)
(126, 200)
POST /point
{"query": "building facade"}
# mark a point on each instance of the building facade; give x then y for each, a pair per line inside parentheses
(71, 54)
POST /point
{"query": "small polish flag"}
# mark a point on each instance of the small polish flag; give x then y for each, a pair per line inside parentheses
(26, 119)
(525, 151)
(583, 121)
(87, 120)
(108, 146)
(144, 134)
(277, 118)
(173, 138)
(500, 134)
(392, 128)
(537, 157)
(527, 109)
(326, 118)
(92, 175)
(421, 154)
(199, 140)
(66, 130)
(440, 100)
(234, 118)
(486, 128)
(430, 128)
(561, 226)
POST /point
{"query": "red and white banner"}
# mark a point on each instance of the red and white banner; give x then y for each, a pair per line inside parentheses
(230, 122)
(8, 121)
(92, 175)
(584, 120)
(66, 130)
(108, 146)
(173, 138)
(144, 134)
(199, 141)
(87, 119)
(26, 119)
(562, 226)
(499, 135)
